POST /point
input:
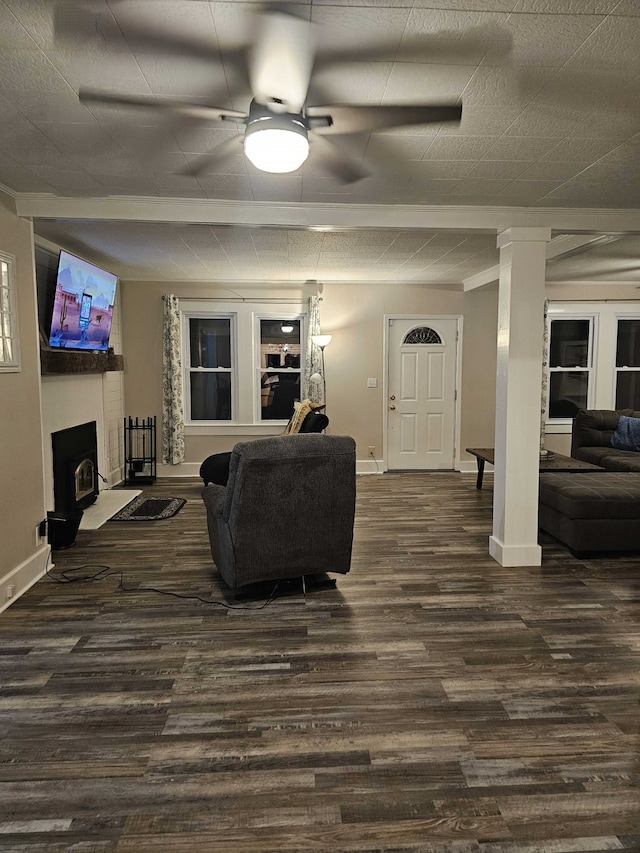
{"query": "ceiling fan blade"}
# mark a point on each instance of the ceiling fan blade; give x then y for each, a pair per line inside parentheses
(450, 47)
(335, 160)
(73, 23)
(214, 157)
(281, 60)
(174, 105)
(357, 119)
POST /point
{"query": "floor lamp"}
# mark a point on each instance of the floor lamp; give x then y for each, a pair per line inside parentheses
(322, 341)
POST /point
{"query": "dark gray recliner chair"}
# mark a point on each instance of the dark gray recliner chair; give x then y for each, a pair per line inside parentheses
(287, 509)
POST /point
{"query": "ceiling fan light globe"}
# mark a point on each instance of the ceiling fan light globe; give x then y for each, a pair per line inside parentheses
(276, 150)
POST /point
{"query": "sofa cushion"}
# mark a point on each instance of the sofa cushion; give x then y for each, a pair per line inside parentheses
(594, 455)
(620, 460)
(593, 428)
(605, 494)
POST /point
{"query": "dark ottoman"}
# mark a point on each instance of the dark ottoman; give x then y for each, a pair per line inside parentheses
(592, 512)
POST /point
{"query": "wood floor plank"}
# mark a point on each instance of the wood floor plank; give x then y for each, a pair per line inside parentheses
(433, 702)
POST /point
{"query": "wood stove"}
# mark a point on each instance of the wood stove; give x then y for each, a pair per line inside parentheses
(75, 467)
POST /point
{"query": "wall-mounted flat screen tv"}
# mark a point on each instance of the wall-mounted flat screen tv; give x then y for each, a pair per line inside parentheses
(83, 305)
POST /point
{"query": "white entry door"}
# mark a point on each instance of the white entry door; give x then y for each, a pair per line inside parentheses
(421, 393)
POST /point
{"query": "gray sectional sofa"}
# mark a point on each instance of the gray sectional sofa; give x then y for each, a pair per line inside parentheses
(596, 511)
(591, 439)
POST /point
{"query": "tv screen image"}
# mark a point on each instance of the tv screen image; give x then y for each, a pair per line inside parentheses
(83, 305)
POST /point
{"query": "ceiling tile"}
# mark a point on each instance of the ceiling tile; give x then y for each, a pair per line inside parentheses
(569, 7)
(486, 186)
(550, 171)
(580, 150)
(614, 44)
(425, 84)
(499, 168)
(549, 40)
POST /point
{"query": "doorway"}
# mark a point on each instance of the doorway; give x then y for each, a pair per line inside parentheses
(422, 372)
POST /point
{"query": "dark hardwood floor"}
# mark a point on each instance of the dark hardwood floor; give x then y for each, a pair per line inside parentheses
(432, 702)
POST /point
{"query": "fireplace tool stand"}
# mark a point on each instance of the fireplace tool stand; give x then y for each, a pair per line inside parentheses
(139, 450)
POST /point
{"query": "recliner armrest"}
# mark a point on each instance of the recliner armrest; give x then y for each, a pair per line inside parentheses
(213, 497)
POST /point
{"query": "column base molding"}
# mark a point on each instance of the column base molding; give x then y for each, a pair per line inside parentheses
(514, 555)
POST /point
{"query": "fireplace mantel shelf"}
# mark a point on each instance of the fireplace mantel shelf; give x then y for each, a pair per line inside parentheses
(75, 362)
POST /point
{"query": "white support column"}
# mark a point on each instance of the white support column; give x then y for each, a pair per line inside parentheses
(518, 388)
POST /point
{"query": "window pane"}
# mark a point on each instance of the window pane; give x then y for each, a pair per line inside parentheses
(280, 344)
(278, 394)
(210, 396)
(569, 344)
(567, 393)
(628, 389)
(628, 349)
(210, 341)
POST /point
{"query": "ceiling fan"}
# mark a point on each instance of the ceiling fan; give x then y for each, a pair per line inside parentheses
(277, 68)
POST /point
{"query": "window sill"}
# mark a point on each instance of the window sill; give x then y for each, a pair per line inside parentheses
(272, 428)
(559, 427)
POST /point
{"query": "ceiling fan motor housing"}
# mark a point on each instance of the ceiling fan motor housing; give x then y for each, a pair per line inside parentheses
(275, 142)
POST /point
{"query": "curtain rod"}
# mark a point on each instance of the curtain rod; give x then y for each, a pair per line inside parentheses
(284, 300)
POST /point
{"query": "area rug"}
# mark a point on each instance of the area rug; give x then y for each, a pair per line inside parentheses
(149, 509)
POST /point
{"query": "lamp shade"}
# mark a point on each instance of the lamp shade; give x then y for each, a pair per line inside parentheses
(321, 340)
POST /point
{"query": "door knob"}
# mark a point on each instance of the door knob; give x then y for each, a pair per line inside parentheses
(392, 397)
(392, 406)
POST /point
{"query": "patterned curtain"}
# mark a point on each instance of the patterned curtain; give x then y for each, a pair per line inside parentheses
(545, 376)
(172, 411)
(313, 357)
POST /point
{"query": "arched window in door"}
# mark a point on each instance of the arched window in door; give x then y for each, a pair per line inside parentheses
(422, 335)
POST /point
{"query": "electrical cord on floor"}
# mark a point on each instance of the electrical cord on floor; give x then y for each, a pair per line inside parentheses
(105, 572)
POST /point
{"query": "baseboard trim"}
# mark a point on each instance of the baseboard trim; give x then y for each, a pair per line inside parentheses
(369, 466)
(513, 556)
(23, 577)
(192, 469)
(471, 467)
(183, 469)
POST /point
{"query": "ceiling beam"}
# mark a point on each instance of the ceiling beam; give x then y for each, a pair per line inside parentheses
(330, 216)
(559, 247)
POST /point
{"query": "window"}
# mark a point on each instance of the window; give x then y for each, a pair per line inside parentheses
(9, 350)
(422, 335)
(628, 364)
(594, 359)
(570, 362)
(210, 369)
(242, 365)
(279, 368)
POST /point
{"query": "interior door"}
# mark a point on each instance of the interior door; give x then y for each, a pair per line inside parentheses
(422, 356)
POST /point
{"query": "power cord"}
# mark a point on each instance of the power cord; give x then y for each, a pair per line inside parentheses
(375, 460)
(104, 480)
(105, 572)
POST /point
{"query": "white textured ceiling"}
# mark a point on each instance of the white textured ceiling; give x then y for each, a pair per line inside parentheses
(553, 122)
